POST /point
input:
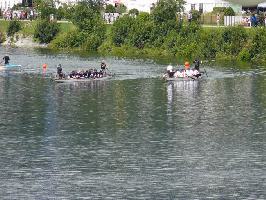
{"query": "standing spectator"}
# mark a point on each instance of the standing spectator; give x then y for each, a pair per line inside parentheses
(253, 20)
(189, 17)
(218, 19)
(31, 15)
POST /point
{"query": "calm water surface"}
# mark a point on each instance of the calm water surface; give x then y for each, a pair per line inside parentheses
(132, 137)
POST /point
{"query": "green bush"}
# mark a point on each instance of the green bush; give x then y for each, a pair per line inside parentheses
(110, 9)
(93, 41)
(71, 39)
(133, 11)
(234, 39)
(218, 10)
(46, 31)
(2, 37)
(244, 55)
(258, 42)
(14, 26)
(196, 15)
(211, 41)
(140, 32)
(86, 15)
(121, 28)
(121, 8)
(229, 12)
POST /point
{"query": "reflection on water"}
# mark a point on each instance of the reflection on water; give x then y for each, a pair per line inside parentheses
(135, 138)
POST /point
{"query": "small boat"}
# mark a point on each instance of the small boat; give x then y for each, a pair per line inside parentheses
(74, 80)
(187, 78)
(182, 79)
(10, 67)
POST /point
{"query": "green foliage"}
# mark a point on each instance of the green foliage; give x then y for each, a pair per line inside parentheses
(2, 37)
(166, 10)
(121, 28)
(218, 10)
(244, 55)
(110, 9)
(172, 42)
(45, 9)
(195, 15)
(190, 30)
(93, 41)
(86, 15)
(258, 41)
(121, 8)
(71, 39)
(45, 31)
(211, 41)
(14, 26)
(234, 39)
(140, 33)
(61, 13)
(133, 12)
(229, 12)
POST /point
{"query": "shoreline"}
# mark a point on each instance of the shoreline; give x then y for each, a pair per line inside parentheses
(23, 42)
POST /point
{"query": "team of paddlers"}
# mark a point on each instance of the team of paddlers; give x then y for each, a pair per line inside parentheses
(184, 73)
(91, 73)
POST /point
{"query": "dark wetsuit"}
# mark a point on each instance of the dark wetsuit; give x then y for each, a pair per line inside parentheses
(60, 72)
(197, 64)
(6, 59)
(103, 66)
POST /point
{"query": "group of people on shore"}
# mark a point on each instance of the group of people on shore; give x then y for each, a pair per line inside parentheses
(91, 73)
(186, 72)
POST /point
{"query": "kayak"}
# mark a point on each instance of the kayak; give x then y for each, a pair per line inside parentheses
(9, 66)
(74, 80)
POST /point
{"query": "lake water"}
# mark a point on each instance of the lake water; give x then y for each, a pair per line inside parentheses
(132, 137)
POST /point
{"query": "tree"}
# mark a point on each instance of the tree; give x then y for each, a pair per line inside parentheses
(87, 15)
(110, 9)
(121, 28)
(229, 12)
(121, 8)
(195, 15)
(45, 8)
(166, 10)
(134, 12)
(45, 31)
(14, 26)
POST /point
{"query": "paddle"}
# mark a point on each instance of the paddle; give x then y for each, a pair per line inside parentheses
(205, 72)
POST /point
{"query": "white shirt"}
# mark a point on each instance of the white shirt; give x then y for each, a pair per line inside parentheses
(170, 68)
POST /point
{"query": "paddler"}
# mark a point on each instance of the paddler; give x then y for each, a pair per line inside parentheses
(103, 66)
(187, 72)
(196, 70)
(6, 60)
(170, 71)
(60, 71)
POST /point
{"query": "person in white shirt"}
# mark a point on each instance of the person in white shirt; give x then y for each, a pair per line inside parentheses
(170, 71)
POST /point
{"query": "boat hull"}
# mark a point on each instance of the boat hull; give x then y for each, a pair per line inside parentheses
(81, 80)
(182, 79)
